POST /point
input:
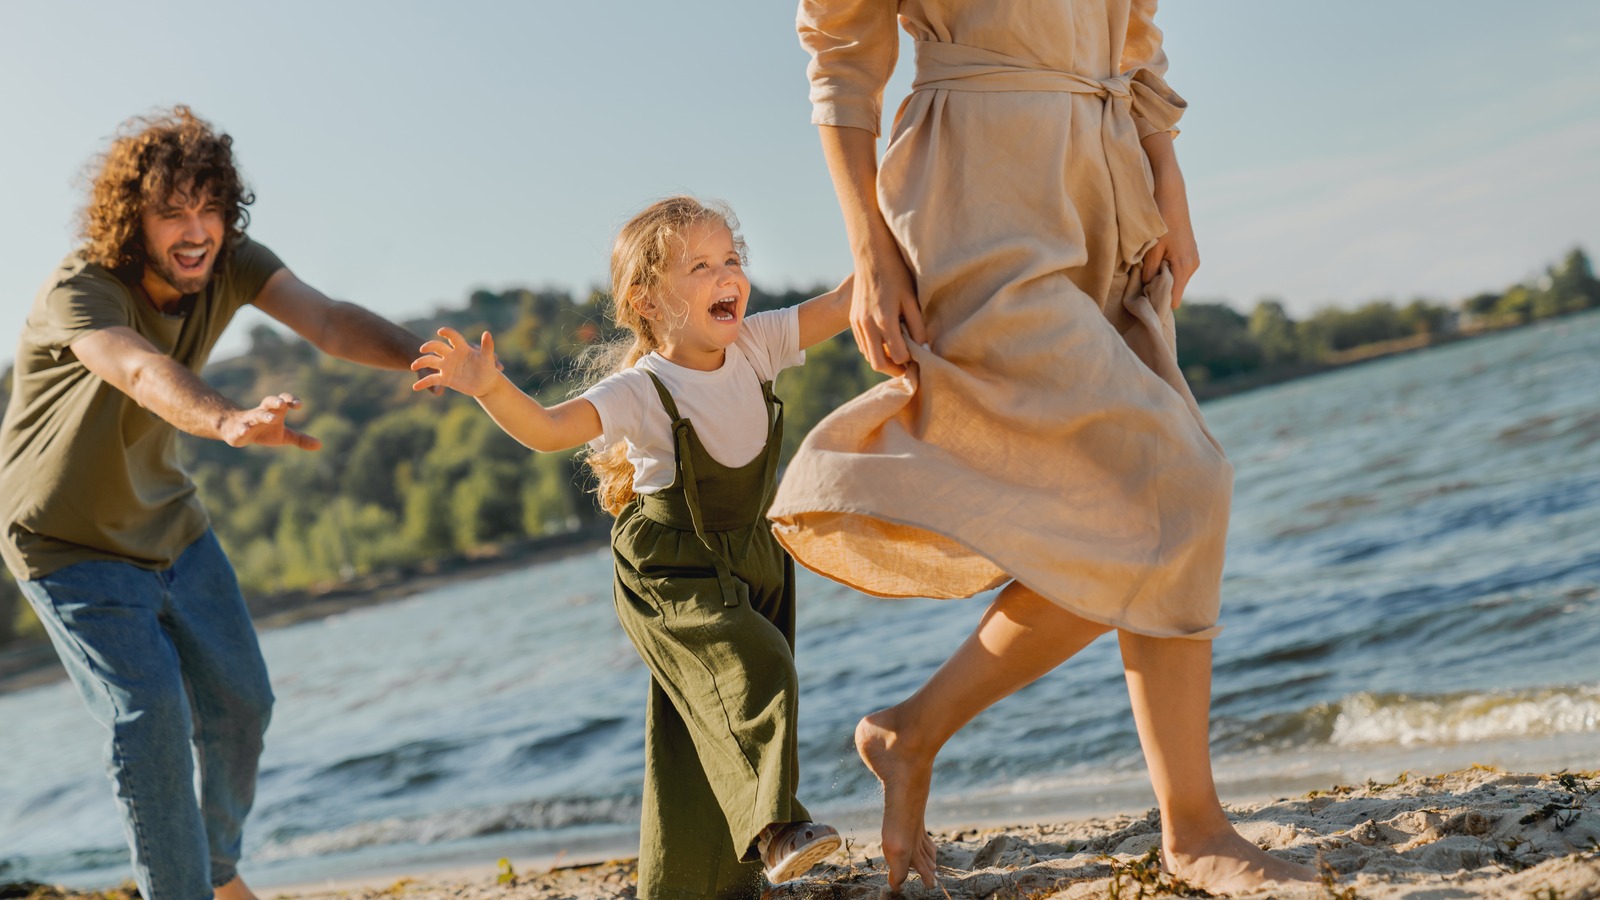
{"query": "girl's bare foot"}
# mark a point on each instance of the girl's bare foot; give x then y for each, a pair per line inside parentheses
(1227, 863)
(906, 776)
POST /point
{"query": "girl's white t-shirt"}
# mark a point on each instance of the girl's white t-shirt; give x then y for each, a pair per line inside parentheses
(726, 406)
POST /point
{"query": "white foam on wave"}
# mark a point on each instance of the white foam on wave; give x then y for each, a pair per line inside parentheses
(1405, 720)
(453, 825)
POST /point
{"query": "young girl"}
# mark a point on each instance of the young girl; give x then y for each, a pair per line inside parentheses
(685, 437)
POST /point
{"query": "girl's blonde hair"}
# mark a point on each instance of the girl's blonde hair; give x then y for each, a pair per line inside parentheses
(646, 247)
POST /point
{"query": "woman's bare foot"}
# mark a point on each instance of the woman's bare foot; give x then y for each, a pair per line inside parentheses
(906, 776)
(234, 890)
(1227, 863)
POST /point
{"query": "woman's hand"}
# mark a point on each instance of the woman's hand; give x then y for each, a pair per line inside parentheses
(458, 365)
(1177, 248)
(884, 300)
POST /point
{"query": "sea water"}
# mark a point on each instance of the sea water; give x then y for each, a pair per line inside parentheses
(1413, 582)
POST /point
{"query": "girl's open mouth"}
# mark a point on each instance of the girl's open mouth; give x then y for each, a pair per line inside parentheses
(725, 310)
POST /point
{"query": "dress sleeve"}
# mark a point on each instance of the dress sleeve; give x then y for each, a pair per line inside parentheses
(1144, 57)
(853, 46)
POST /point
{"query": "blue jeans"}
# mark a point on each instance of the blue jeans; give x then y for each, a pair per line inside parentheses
(168, 662)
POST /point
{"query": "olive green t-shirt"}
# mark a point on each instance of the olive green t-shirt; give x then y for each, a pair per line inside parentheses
(85, 472)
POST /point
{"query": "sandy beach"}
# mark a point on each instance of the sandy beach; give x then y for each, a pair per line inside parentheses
(1473, 833)
(1466, 834)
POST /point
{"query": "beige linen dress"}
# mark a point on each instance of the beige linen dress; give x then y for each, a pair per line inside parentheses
(1046, 434)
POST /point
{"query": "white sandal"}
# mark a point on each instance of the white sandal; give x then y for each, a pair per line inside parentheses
(795, 848)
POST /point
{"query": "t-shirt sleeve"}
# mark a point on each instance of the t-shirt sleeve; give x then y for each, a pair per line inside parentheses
(771, 341)
(618, 401)
(248, 270)
(80, 305)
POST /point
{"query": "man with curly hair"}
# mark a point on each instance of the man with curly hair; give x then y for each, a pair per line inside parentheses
(100, 524)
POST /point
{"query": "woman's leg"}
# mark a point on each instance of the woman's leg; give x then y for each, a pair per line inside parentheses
(1169, 682)
(1021, 637)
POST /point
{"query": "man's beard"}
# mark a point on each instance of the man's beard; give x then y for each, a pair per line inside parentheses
(180, 282)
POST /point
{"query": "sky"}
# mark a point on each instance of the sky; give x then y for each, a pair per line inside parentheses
(406, 153)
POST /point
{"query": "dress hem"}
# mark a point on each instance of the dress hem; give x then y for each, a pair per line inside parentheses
(788, 522)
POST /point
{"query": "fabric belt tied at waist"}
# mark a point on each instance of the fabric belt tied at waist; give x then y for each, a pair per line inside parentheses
(946, 66)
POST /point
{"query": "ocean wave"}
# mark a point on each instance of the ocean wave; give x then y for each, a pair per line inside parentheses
(454, 825)
(1367, 719)
(1411, 720)
(417, 759)
(46, 866)
(571, 742)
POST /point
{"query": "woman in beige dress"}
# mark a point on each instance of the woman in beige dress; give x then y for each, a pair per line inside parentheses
(1018, 252)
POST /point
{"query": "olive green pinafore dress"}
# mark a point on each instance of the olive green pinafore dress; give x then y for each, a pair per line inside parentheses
(708, 598)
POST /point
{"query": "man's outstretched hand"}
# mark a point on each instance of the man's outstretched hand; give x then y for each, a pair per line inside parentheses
(265, 425)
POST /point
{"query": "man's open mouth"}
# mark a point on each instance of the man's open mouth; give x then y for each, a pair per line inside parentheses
(191, 260)
(725, 310)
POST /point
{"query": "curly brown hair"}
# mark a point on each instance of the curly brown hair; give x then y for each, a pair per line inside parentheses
(151, 158)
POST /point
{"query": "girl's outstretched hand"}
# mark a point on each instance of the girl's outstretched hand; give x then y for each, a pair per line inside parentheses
(457, 364)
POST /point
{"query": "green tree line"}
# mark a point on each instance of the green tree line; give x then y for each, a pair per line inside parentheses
(1221, 348)
(407, 480)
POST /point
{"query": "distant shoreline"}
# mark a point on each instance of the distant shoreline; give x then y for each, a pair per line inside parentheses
(1355, 356)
